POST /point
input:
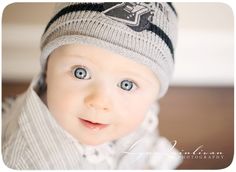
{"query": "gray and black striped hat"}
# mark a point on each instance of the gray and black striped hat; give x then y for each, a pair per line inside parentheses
(144, 31)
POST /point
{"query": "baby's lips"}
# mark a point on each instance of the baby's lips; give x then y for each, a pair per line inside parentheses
(92, 125)
(94, 122)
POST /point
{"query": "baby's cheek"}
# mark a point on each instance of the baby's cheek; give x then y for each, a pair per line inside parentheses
(63, 110)
(59, 104)
(133, 119)
(69, 106)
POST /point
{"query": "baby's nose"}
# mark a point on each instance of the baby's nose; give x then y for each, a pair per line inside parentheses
(98, 100)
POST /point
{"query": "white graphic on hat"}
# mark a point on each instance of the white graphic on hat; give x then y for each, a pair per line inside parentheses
(132, 14)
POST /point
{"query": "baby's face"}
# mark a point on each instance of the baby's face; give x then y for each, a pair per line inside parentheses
(96, 95)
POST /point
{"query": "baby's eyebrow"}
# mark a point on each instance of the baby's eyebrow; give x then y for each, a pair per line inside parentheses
(136, 75)
(74, 56)
(78, 57)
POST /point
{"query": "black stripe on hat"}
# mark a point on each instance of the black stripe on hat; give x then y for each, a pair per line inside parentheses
(157, 30)
(172, 7)
(75, 8)
(99, 7)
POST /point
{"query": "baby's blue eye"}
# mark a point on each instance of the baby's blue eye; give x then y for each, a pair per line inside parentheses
(81, 73)
(127, 85)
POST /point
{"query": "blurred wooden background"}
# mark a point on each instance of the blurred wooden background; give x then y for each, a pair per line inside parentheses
(193, 116)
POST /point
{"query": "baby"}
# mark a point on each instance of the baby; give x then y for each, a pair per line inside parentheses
(94, 105)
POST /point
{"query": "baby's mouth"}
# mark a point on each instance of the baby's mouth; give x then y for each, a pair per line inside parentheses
(93, 125)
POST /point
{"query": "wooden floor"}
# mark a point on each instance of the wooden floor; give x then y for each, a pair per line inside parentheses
(199, 119)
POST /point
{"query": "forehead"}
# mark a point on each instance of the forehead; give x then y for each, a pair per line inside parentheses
(102, 58)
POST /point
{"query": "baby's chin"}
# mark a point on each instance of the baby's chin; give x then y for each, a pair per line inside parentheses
(93, 141)
(99, 140)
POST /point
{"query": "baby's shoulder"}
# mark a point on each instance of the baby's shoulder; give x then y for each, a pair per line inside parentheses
(15, 151)
(12, 140)
(11, 108)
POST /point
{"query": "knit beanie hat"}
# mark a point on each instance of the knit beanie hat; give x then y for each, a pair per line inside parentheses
(142, 31)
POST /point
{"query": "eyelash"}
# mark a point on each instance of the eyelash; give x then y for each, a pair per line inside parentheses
(75, 70)
(84, 69)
